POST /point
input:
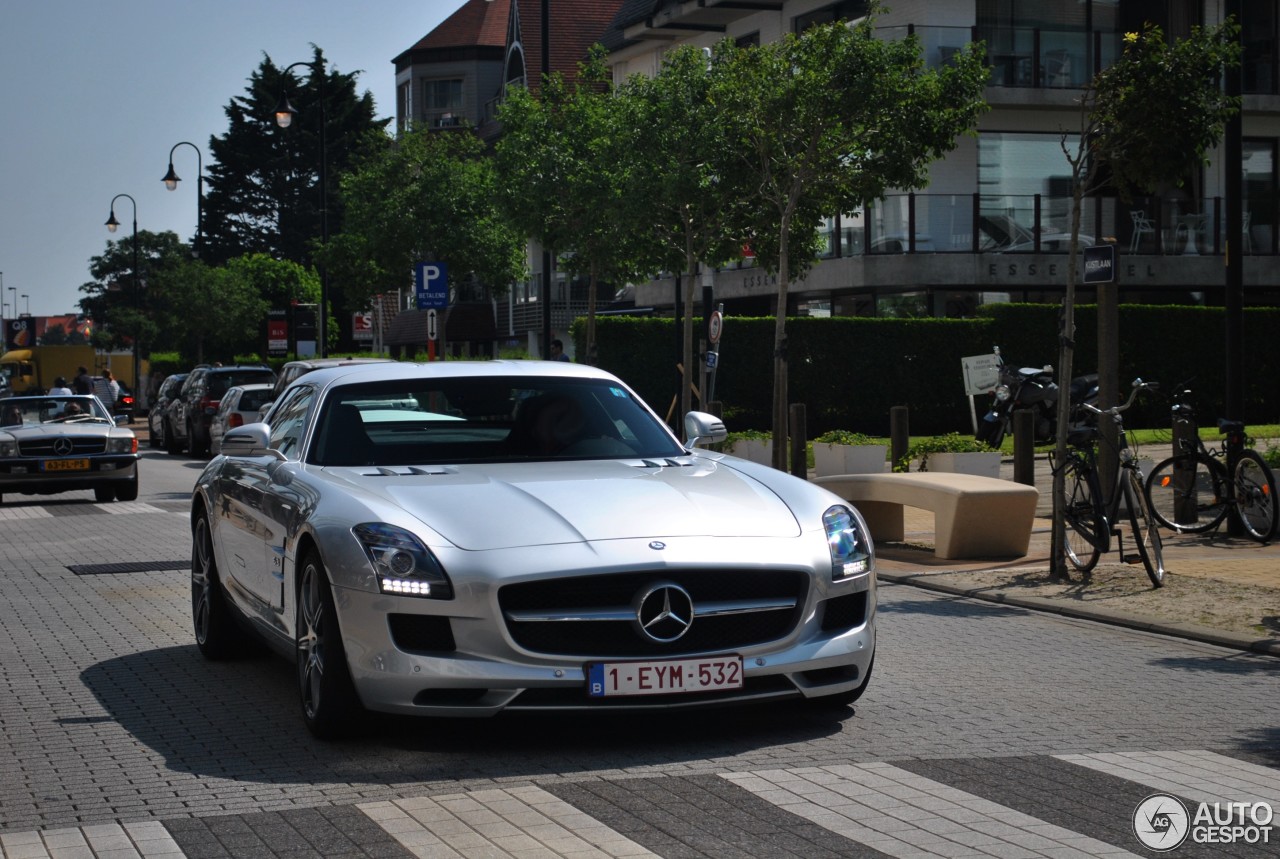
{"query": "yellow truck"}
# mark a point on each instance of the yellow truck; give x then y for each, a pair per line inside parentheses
(32, 370)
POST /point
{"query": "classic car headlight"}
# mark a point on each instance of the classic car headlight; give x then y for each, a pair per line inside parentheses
(8, 447)
(403, 565)
(1001, 392)
(850, 551)
(122, 445)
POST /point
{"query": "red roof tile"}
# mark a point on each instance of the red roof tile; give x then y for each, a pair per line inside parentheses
(478, 22)
(574, 26)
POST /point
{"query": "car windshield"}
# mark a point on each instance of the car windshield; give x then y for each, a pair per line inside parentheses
(251, 401)
(32, 411)
(455, 420)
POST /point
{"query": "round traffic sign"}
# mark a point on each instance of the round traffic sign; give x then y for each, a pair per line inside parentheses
(714, 326)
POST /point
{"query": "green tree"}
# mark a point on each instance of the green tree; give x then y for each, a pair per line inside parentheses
(263, 189)
(563, 164)
(682, 204)
(430, 196)
(824, 122)
(1147, 122)
(109, 299)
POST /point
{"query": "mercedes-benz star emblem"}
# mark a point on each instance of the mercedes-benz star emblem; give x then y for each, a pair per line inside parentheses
(664, 612)
(62, 446)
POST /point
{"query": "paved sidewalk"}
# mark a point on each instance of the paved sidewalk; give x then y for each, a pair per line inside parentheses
(1212, 556)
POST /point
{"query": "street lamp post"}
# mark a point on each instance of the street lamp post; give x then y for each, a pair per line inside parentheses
(171, 180)
(284, 114)
(27, 298)
(112, 225)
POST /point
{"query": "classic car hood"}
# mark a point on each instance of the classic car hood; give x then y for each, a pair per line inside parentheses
(74, 430)
(480, 507)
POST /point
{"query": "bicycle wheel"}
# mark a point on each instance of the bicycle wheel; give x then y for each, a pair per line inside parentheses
(1146, 531)
(1256, 496)
(1187, 493)
(1086, 531)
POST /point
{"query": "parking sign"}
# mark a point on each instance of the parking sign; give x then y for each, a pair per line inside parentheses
(431, 284)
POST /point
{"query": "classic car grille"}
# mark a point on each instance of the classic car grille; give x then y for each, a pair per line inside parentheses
(782, 593)
(79, 446)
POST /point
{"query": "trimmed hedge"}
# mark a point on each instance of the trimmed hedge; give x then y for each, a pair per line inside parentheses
(849, 371)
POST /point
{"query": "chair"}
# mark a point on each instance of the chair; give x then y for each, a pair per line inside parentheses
(1141, 225)
(344, 440)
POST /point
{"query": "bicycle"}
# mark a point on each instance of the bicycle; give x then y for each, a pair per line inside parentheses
(1090, 518)
(1191, 492)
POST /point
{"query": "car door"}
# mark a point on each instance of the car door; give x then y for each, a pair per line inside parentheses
(260, 507)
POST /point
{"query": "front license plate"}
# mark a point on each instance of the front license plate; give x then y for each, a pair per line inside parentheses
(65, 465)
(668, 677)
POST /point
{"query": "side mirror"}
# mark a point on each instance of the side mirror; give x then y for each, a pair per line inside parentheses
(703, 428)
(249, 440)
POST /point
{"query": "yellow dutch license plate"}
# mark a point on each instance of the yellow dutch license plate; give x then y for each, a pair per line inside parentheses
(65, 465)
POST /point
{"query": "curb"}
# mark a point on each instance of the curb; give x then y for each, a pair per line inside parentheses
(1236, 641)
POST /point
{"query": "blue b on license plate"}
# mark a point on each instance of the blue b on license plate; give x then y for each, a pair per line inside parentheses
(664, 677)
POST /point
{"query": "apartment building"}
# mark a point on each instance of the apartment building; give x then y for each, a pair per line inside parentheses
(993, 222)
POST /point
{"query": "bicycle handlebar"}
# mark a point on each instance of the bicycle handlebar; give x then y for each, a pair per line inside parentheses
(1138, 385)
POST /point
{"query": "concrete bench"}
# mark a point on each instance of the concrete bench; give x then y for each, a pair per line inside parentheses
(974, 517)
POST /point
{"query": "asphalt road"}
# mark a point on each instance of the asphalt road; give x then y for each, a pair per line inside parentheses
(1044, 732)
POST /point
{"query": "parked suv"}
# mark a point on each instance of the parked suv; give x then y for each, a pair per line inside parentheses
(188, 416)
(294, 369)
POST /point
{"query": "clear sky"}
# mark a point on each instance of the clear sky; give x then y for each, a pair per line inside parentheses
(95, 94)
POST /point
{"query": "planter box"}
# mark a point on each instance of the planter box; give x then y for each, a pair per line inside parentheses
(832, 459)
(985, 464)
(755, 450)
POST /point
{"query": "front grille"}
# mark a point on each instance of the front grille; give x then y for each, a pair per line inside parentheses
(620, 637)
(79, 446)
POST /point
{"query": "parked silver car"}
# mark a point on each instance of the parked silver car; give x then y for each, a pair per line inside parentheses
(59, 444)
(239, 406)
(458, 538)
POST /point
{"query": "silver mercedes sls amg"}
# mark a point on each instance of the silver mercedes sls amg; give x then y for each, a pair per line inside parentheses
(463, 538)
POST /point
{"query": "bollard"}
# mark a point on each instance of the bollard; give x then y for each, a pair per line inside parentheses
(1185, 433)
(899, 437)
(799, 442)
(1024, 443)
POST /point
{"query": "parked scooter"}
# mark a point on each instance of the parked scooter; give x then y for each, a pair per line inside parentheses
(1030, 388)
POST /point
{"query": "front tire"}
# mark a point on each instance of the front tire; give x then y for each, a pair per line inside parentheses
(992, 432)
(171, 443)
(1086, 531)
(217, 634)
(1256, 496)
(329, 701)
(103, 494)
(128, 491)
(1146, 531)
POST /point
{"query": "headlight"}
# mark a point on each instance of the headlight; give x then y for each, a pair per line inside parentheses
(403, 565)
(1001, 392)
(122, 445)
(850, 549)
(8, 447)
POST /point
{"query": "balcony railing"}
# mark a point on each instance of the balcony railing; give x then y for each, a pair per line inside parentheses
(1036, 223)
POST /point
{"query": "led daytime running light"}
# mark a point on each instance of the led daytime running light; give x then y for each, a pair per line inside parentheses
(402, 564)
(850, 553)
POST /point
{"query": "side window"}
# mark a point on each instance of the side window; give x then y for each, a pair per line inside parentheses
(289, 423)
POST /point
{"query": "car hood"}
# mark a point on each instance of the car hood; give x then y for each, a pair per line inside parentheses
(480, 507)
(77, 430)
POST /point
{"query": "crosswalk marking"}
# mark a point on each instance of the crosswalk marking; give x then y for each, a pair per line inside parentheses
(118, 507)
(518, 821)
(879, 809)
(1200, 776)
(13, 514)
(902, 814)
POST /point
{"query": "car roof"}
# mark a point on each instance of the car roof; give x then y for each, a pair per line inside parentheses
(321, 363)
(451, 369)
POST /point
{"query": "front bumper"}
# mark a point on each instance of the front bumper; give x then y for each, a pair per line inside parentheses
(27, 476)
(459, 658)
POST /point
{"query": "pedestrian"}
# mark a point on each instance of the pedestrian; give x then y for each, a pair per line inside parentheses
(107, 390)
(60, 388)
(83, 383)
(557, 351)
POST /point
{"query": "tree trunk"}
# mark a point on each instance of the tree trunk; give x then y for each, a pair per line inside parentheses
(780, 352)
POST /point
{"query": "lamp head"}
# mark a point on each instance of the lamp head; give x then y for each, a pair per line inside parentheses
(285, 112)
(171, 179)
(112, 223)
